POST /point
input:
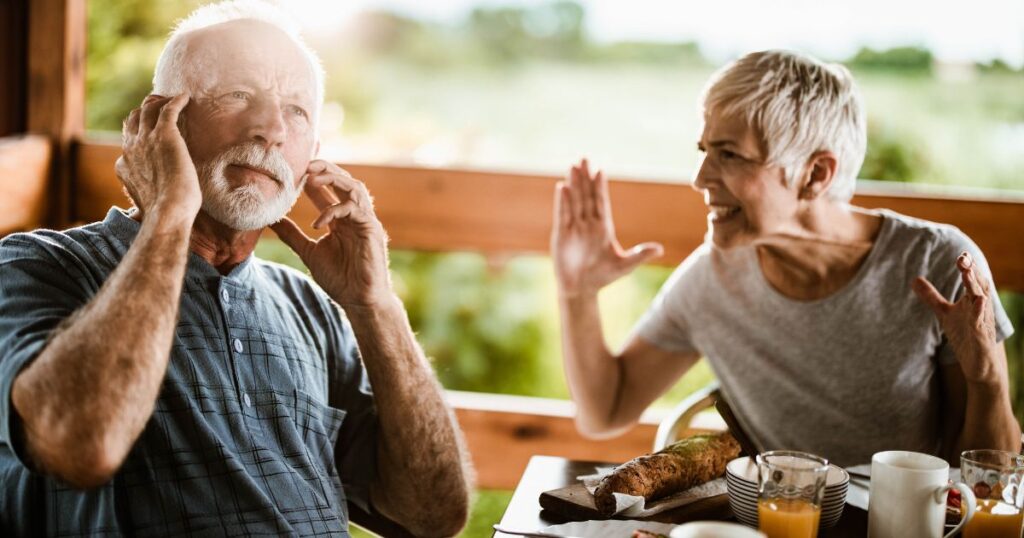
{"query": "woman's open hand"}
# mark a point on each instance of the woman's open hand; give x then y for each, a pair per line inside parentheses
(586, 253)
(969, 324)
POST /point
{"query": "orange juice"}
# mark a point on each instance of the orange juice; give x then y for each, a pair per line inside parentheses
(994, 519)
(788, 518)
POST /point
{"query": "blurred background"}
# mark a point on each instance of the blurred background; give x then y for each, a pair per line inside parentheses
(531, 86)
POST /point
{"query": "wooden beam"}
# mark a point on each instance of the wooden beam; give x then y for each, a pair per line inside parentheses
(503, 432)
(13, 71)
(25, 169)
(443, 210)
(56, 90)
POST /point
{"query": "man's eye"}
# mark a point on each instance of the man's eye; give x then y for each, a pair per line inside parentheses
(298, 111)
(240, 95)
(728, 155)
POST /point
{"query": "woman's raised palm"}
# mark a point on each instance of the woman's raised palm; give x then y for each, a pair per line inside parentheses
(586, 253)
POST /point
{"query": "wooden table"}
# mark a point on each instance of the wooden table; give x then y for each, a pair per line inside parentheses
(545, 473)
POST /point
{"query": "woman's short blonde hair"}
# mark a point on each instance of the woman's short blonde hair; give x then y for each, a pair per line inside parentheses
(798, 106)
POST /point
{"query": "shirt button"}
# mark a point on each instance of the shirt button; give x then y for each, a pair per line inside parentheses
(248, 401)
(238, 345)
(225, 296)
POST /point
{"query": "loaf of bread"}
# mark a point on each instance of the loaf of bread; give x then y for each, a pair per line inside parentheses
(677, 467)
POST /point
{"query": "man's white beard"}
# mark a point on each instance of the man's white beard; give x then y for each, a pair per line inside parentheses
(244, 208)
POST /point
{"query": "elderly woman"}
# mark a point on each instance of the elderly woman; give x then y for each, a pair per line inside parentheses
(832, 328)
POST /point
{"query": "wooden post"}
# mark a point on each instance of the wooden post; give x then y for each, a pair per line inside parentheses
(13, 44)
(56, 92)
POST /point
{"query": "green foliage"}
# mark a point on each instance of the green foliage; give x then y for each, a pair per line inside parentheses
(488, 506)
(890, 157)
(905, 60)
(125, 38)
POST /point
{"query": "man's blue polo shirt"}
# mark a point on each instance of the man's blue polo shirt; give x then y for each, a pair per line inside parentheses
(265, 423)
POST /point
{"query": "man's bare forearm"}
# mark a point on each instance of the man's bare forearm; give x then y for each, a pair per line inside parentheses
(86, 398)
(424, 474)
(592, 371)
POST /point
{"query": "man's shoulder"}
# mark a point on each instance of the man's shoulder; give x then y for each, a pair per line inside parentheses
(49, 245)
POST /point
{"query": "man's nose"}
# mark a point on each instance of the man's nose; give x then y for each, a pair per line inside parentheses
(267, 126)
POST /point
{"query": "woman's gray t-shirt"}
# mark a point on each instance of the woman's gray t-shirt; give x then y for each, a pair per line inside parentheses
(843, 377)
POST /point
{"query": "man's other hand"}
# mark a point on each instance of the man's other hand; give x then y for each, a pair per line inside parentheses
(350, 261)
(155, 166)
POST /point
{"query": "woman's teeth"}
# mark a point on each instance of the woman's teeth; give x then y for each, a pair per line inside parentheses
(723, 211)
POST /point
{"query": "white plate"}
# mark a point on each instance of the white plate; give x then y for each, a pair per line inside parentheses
(610, 528)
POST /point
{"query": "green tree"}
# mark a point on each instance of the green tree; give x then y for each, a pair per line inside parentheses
(904, 60)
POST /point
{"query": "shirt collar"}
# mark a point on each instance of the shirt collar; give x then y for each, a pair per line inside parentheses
(120, 222)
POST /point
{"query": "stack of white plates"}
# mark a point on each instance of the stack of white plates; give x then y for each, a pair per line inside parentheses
(741, 481)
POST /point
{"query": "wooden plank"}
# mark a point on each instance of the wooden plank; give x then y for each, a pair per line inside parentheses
(503, 432)
(56, 90)
(442, 210)
(25, 169)
(13, 71)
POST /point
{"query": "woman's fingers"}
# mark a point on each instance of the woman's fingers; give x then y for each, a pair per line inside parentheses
(563, 206)
(930, 296)
(576, 192)
(601, 204)
(589, 191)
(974, 287)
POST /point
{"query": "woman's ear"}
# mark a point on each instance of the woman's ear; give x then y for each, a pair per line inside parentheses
(820, 171)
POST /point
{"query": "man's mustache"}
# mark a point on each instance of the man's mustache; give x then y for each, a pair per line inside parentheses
(268, 161)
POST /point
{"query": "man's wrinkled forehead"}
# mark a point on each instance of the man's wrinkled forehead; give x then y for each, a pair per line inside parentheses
(249, 51)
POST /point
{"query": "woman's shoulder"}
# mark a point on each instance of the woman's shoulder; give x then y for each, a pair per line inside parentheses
(924, 236)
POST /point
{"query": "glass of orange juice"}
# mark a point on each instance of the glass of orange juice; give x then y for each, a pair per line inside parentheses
(790, 487)
(997, 478)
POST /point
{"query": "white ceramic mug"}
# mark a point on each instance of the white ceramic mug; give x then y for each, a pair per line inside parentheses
(708, 529)
(908, 496)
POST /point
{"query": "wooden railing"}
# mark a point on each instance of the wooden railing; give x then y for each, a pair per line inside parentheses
(446, 210)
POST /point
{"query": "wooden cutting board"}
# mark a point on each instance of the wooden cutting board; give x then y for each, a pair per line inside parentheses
(575, 503)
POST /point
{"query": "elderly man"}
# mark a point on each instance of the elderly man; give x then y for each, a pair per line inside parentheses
(157, 378)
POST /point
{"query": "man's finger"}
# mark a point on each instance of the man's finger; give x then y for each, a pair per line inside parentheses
(335, 212)
(293, 236)
(321, 197)
(151, 112)
(131, 125)
(930, 296)
(170, 112)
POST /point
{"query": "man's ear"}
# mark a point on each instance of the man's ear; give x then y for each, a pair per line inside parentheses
(818, 175)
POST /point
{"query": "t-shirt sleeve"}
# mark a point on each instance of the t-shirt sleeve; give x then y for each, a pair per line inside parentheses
(665, 324)
(356, 448)
(947, 280)
(36, 295)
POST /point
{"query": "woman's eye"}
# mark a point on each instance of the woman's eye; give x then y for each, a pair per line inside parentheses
(298, 111)
(239, 95)
(728, 155)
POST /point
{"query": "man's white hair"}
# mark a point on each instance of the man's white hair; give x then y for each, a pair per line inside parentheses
(176, 72)
(798, 106)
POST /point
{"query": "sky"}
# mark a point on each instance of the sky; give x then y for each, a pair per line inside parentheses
(960, 31)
